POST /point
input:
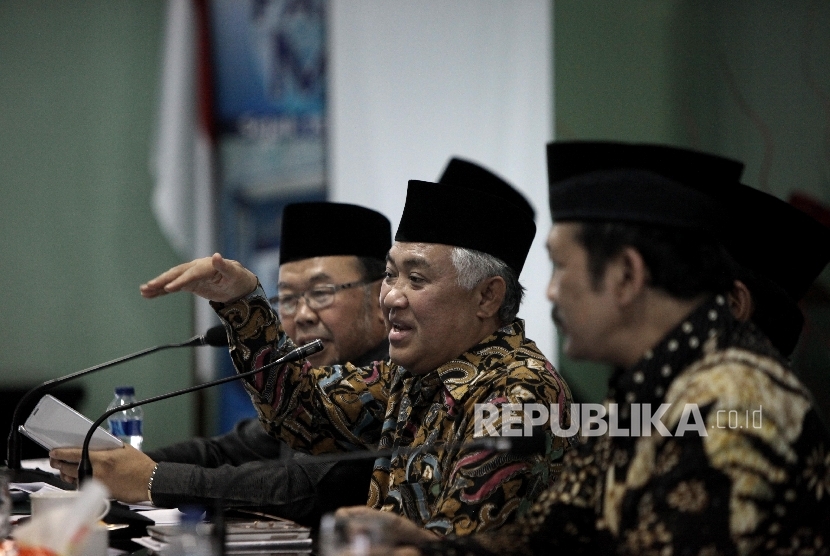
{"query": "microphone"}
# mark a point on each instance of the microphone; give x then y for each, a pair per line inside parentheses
(85, 466)
(215, 337)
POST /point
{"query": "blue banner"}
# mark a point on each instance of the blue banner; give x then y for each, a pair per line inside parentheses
(269, 61)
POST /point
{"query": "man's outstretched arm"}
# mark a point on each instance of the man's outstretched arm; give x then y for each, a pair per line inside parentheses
(214, 278)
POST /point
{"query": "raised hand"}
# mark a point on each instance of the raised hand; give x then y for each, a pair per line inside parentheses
(214, 278)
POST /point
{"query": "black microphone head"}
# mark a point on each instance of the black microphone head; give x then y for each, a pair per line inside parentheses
(303, 351)
(216, 336)
(312, 347)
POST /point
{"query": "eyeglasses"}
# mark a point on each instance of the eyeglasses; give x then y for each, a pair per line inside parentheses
(319, 297)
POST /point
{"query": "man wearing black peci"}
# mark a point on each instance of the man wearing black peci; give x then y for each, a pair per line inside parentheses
(450, 298)
(332, 257)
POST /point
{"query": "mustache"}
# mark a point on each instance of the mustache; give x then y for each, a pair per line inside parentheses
(556, 316)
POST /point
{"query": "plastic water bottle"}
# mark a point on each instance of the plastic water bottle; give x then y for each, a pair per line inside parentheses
(127, 425)
(194, 538)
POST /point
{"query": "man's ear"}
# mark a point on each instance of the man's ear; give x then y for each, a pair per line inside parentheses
(629, 275)
(491, 295)
(740, 302)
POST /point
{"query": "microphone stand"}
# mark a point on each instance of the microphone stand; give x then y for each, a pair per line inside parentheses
(20, 475)
(85, 466)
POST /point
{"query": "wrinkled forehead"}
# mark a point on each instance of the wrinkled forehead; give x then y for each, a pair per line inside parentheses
(420, 255)
(315, 270)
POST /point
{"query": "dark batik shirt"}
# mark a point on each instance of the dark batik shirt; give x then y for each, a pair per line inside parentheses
(757, 483)
(423, 419)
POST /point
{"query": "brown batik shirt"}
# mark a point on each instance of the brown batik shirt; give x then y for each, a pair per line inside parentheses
(430, 477)
(758, 481)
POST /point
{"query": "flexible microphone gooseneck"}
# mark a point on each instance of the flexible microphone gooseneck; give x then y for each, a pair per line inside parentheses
(85, 466)
(215, 336)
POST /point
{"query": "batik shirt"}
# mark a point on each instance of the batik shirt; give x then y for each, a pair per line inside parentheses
(758, 482)
(431, 477)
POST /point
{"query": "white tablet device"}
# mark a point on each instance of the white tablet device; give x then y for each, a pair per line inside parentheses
(53, 424)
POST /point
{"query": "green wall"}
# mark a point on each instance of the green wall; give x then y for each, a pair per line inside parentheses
(77, 104)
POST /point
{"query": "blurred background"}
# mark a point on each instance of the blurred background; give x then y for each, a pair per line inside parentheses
(136, 135)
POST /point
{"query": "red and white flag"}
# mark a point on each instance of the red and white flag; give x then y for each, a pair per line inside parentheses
(182, 159)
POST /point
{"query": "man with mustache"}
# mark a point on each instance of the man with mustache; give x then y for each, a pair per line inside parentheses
(450, 297)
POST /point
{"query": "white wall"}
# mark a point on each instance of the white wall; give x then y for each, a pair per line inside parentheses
(414, 83)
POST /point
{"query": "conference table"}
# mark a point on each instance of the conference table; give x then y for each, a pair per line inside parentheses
(127, 525)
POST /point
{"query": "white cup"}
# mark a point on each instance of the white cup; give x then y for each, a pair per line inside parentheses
(94, 543)
(48, 499)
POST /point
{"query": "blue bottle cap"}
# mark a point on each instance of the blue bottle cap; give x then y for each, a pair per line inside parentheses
(125, 391)
(192, 514)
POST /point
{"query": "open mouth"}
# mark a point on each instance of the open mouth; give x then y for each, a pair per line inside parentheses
(557, 318)
(398, 332)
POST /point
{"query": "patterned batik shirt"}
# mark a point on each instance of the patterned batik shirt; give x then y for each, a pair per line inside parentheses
(757, 482)
(431, 477)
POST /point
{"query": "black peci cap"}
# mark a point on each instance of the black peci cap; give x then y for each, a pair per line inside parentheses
(645, 183)
(779, 243)
(469, 207)
(773, 238)
(569, 158)
(463, 173)
(327, 229)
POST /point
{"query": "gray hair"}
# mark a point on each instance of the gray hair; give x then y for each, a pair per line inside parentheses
(474, 266)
